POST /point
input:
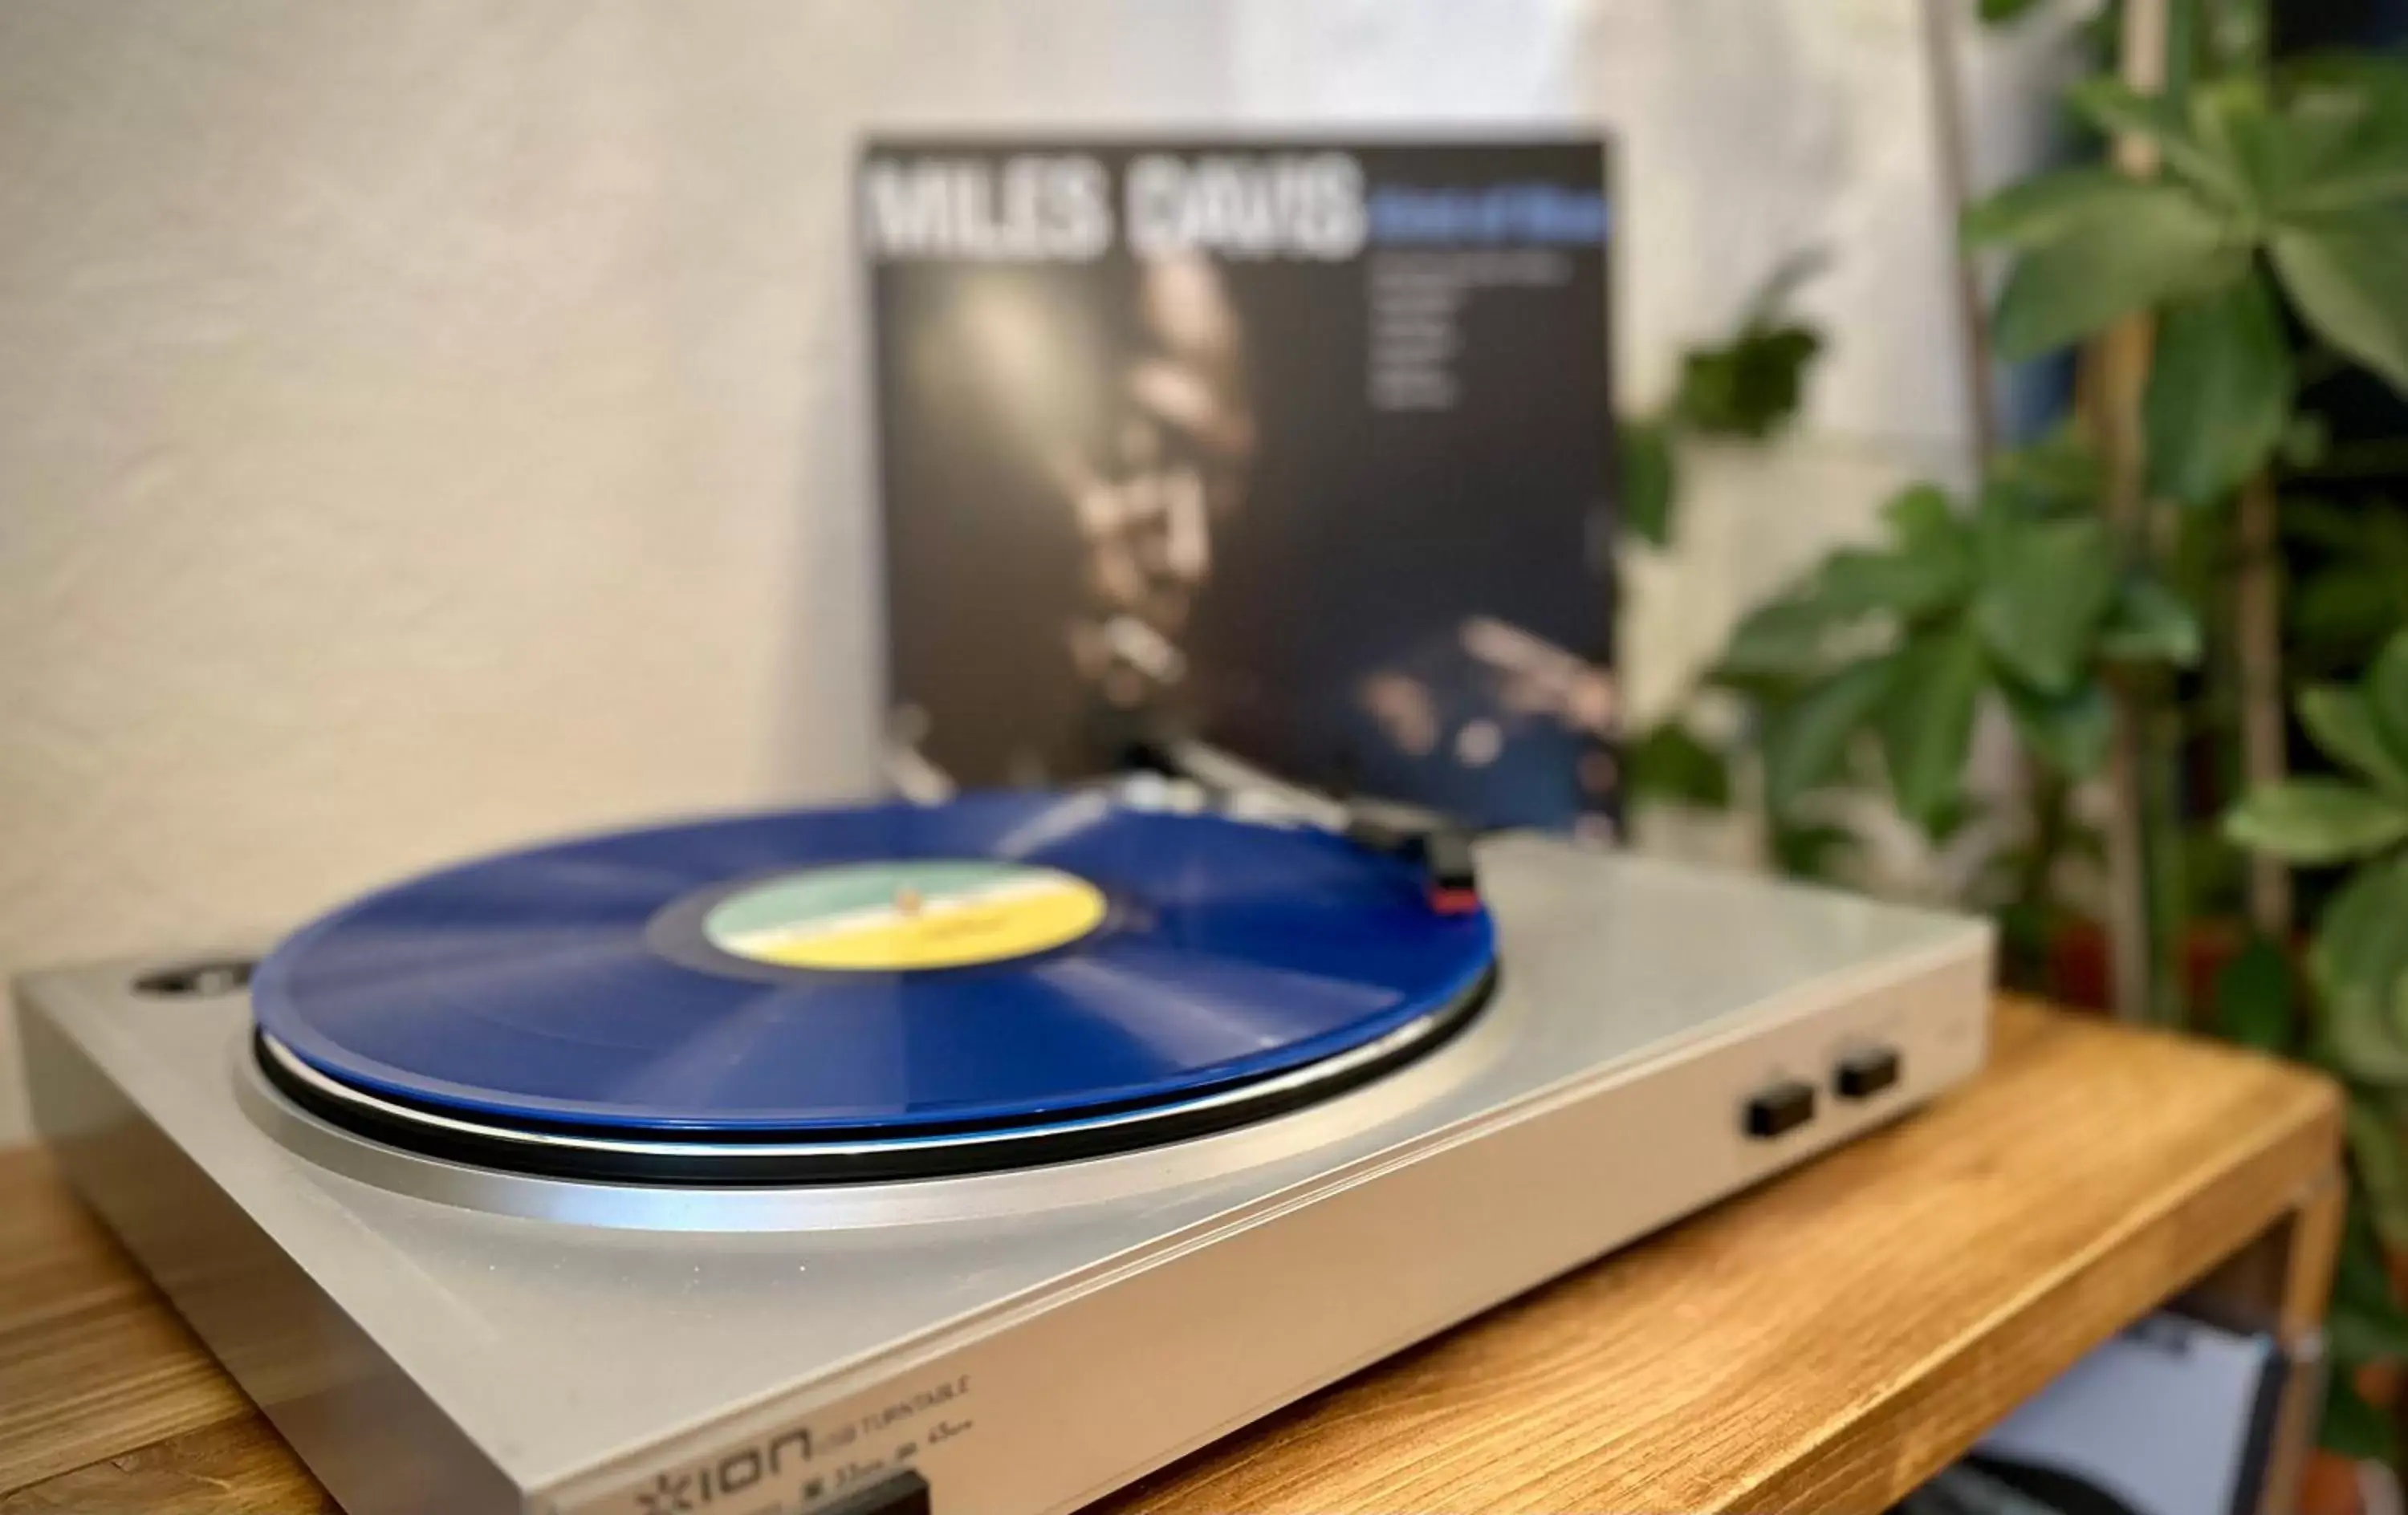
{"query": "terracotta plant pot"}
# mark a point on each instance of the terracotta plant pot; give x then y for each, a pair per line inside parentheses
(2329, 1486)
(2078, 966)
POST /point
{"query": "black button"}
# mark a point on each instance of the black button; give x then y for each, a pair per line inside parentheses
(1866, 1072)
(903, 1494)
(1778, 1108)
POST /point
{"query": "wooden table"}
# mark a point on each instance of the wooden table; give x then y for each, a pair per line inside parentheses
(1823, 1343)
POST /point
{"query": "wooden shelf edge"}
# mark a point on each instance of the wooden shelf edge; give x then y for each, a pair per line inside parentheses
(1935, 1417)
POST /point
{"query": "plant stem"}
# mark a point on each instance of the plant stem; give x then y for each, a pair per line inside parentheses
(2143, 52)
(2161, 832)
(2122, 360)
(2035, 892)
(2033, 878)
(2128, 899)
(2257, 631)
(2120, 363)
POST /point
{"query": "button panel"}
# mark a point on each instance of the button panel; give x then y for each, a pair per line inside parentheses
(1866, 1072)
(1780, 1107)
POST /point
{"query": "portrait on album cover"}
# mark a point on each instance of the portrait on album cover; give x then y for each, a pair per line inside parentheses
(1300, 448)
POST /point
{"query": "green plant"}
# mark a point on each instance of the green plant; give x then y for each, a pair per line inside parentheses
(2015, 600)
(2358, 960)
(2297, 186)
(2364, 1325)
(2117, 595)
(2358, 964)
(1748, 387)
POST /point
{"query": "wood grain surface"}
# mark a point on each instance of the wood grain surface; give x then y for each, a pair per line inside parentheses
(1822, 1343)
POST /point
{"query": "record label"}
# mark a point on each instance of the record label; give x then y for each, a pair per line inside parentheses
(923, 913)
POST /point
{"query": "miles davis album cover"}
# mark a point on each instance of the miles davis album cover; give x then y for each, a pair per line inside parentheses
(1302, 448)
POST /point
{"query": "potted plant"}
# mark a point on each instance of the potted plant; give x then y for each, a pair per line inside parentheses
(2155, 603)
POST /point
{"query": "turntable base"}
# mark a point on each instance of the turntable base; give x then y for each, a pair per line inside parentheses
(1822, 1342)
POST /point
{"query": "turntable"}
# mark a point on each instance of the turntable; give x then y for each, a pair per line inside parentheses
(975, 1158)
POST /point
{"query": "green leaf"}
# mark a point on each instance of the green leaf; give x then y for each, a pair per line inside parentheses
(2046, 586)
(2358, 946)
(2375, 82)
(2387, 691)
(2349, 115)
(2255, 1000)
(2163, 242)
(1857, 580)
(2232, 120)
(1810, 850)
(1783, 638)
(1927, 724)
(2368, 182)
(1926, 525)
(1670, 766)
(2307, 439)
(2359, 1338)
(2342, 721)
(2046, 207)
(2324, 151)
(2002, 12)
(2353, 1428)
(2356, 1337)
(2364, 1049)
(2219, 393)
(1958, 811)
(2316, 821)
(2366, 1322)
(2057, 474)
(1648, 481)
(1803, 745)
(2068, 732)
(2228, 36)
(2118, 110)
(2375, 1152)
(2053, 475)
(2345, 608)
(2358, 961)
(2148, 623)
(1922, 514)
(1930, 568)
(2350, 281)
(2360, 1277)
(1751, 387)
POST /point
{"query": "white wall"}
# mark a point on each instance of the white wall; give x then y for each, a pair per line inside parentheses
(425, 425)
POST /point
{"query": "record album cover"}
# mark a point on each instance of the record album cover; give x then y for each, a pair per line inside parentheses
(1300, 447)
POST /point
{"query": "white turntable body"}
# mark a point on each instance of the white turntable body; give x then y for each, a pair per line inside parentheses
(432, 1336)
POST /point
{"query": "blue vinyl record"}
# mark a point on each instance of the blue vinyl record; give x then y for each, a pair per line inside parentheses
(892, 970)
